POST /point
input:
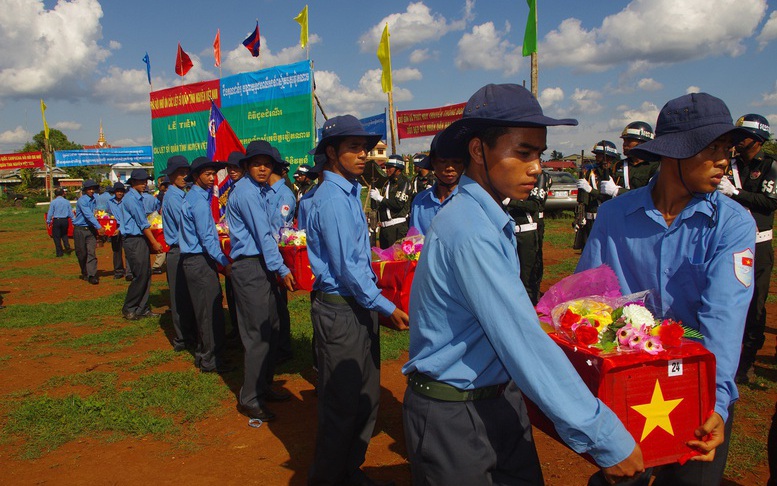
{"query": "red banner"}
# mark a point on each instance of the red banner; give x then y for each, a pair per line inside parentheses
(25, 160)
(423, 123)
(188, 98)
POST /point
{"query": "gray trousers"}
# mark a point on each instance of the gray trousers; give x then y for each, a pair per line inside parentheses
(348, 351)
(205, 292)
(85, 243)
(180, 301)
(475, 442)
(258, 324)
(137, 252)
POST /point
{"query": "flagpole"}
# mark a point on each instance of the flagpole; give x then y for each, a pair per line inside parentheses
(391, 122)
(534, 63)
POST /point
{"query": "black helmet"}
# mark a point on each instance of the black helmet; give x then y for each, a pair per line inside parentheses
(638, 130)
(757, 125)
(396, 161)
(607, 148)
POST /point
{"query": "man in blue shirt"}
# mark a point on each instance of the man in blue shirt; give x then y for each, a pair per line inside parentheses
(281, 207)
(116, 210)
(343, 310)
(428, 202)
(85, 231)
(59, 215)
(694, 247)
(137, 238)
(474, 330)
(101, 199)
(184, 322)
(257, 260)
(235, 172)
(200, 252)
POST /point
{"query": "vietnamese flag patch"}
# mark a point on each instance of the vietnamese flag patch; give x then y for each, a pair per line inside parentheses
(743, 267)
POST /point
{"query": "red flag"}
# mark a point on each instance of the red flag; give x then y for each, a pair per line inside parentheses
(183, 62)
(252, 42)
(217, 48)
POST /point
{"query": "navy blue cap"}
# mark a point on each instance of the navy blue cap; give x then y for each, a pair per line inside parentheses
(494, 105)
(319, 160)
(118, 186)
(395, 161)
(261, 147)
(89, 183)
(234, 158)
(139, 175)
(174, 163)
(165, 180)
(342, 126)
(686, 125)
(201, 163)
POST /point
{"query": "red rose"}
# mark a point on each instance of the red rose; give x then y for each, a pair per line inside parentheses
(569, 318)
(587, 335)
(670, 334)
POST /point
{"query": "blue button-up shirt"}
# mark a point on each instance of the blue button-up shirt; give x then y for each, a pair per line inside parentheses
(472, 325)
(339, 244)
(425, 206)
(134, 216)
(116, 209)
(304, 207)
(151, 204)
(198, 230)
(694, 267)
(250, 233)
(281, 204)
(59, 208)
(85, 208)
(171, 215)
(101, 200)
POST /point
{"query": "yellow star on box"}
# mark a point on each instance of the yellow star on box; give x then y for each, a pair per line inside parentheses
(657, 412)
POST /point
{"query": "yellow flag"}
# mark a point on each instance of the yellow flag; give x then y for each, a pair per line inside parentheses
(384, 56)
(302, 20)
(43, 114)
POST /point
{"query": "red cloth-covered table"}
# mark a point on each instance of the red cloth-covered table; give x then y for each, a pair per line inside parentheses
(661, 399)
(395, 280)
(69, 225)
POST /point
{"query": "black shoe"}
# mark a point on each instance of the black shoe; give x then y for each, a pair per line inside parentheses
(274, 396)
(156, 271)
(130, 316)
(257, 412)
(178, 347)
(149, 313)
(223, 369)
(83, 277)
(129, 278)
(60, 256)
(94, 280)
(117, 276)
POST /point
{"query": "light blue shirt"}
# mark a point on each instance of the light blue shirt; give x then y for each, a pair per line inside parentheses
(303, 207)
(85, 208)
(472, 325)
(198, 230)
(101, 200)
(134, 218)
(171, 214)
(116, 209)
(281, 204)
(249, 227)
(151, 204)
(690, 265)
(339, 244)
(425, 207)
(59, 208)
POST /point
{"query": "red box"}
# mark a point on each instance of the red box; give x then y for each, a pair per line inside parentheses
(159, 234)
(395, 279)
(676, 386)
(109, 224)
(296, 258)
(69, 225)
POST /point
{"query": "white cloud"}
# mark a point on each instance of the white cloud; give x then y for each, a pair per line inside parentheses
(769, 31)
(692, 89)
(49, 51)
(420, 55)
(67, 125)
(239, 60)
(647, 112)
(586, 101)
(649, 84)
(486, 48)
(768, 99)
(127, 89)
(114, 45)
(366, 99)
(405, 74)
(550, 96)
(417, 24)
(18, 136)
(676, 31)
(131, 142)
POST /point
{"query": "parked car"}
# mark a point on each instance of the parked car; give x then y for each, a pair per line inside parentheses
(563, 193)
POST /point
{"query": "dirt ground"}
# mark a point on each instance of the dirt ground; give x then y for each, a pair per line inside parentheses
(223, 449)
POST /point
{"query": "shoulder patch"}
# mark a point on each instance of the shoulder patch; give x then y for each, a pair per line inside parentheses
(743, 267)
(285, 210)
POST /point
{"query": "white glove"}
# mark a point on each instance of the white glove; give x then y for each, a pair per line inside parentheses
(583, 185)
(375, 194)
(609, 187)
(727, 188)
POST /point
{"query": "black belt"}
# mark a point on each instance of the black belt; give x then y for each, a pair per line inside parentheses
(428, 387)
(335, 298)
(173, 246)
(61, 218)
(83, 227)
(247, 257)
(133, 236)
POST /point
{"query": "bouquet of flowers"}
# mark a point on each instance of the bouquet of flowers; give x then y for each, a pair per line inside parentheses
(407, 249)
(222, 228)
(101, 213)
(292, 237)
(155, 220)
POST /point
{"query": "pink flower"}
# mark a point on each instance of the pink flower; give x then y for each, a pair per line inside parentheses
(624, 335)
(637, 339)
(652, 345)
(408, 247)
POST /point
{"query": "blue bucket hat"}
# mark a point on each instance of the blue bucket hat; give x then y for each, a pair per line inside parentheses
(396, 161)
(686, 125)
(319, 161)
(89, 183)
(234, 158)
(201, 163)
(118, 186)
(339, 127)
(139, 175)
(174, 163)
(494, 105)
(261, 147)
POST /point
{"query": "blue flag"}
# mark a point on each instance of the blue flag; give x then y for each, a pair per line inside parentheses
(252, 42)
(148, 67)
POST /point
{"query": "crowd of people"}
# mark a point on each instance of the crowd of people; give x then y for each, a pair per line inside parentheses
(688, 221)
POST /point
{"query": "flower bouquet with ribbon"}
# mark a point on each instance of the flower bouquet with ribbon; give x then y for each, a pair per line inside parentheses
(293, 246)
(155, 220)
(222, 228)
(292, 237)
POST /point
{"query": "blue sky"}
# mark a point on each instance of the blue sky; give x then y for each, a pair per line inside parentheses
(603, 62)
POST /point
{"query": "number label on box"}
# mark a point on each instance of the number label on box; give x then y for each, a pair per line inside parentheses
(675, 367)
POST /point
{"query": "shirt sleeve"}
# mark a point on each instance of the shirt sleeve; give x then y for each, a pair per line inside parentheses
(206, 232)
(339, 241)
(261, 232)
(83, 206)
(134, 209)
(287, 199)
(536, 364)
(593, 253)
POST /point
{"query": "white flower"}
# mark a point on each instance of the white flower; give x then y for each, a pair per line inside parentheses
(637, 315)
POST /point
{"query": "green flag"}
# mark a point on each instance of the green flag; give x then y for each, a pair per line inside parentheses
(530, 37)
